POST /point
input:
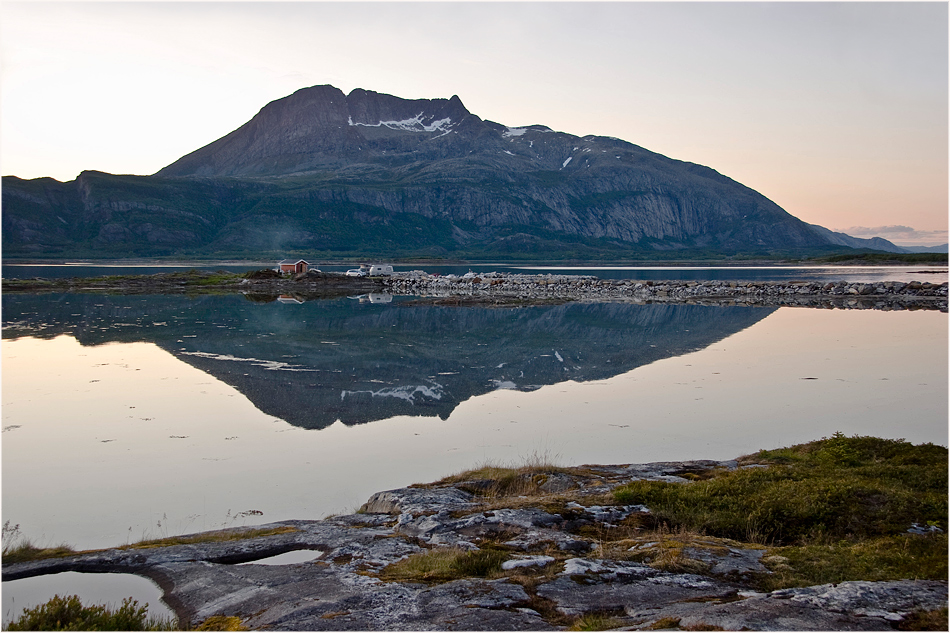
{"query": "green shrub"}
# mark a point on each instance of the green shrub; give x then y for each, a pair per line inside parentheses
(69, 614)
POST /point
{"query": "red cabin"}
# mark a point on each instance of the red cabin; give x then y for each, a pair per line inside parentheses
(288, 266)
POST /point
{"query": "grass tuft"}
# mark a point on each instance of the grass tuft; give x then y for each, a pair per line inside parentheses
(495, 480)
(596, 622)
(26, 551)
(925, 621)
(446, 564)
(210, 537)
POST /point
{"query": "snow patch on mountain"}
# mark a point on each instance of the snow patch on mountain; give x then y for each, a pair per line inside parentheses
(415, 124)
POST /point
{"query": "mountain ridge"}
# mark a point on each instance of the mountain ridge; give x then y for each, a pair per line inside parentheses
(367, 173)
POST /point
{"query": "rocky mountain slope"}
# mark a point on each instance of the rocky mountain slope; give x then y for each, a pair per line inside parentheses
(324, 173)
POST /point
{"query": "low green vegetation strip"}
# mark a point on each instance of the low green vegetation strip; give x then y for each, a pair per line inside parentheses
(831, 510)
(191, 279)
(938, 259)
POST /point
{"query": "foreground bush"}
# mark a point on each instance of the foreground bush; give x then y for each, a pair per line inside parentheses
(69, 614)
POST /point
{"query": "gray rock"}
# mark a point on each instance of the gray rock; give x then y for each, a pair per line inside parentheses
(417, 500)
(724, 562)
(527, 561)
(602, 586)
(848, 606)
(346, 587)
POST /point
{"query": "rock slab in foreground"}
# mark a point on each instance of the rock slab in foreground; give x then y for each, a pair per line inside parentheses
(555, 573)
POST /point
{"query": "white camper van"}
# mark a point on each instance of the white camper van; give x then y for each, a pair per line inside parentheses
(377, 270)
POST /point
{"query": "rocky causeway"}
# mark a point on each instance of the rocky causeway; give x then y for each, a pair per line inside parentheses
(494, 288)
(881, 295)
(554, 568)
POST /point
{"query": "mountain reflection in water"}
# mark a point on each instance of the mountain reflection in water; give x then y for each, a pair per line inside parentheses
(317, 362)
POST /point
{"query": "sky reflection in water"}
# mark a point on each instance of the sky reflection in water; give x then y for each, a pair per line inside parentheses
(112, 443)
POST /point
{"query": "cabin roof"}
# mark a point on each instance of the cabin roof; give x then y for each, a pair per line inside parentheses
(293, 261)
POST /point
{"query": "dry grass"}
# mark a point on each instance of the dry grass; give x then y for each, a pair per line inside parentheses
(445, 564)
(596, 622)
(497, 480)
(665, 623)
(27, 551)
(662, 550)
(925, 621)
(221, 536)
(222, 623)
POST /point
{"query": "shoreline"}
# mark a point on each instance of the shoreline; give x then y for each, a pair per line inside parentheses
(543, 547)
(511, 289)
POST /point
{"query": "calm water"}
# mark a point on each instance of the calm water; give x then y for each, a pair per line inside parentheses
(145, 416)
(864, 274)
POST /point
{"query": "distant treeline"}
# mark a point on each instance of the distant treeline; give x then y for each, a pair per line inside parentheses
(939, 259)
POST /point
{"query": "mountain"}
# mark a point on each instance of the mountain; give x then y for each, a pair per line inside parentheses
(325, 174)
(872, 243)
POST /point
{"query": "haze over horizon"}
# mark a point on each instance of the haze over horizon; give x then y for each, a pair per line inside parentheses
(835, 111)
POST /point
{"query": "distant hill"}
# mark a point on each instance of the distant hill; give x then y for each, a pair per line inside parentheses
(326, 174)
(940, 248)
(872, 243)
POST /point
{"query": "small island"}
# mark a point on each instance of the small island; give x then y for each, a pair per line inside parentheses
(842, 533)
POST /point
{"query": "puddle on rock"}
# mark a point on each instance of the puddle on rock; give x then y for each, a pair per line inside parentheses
(287, 558)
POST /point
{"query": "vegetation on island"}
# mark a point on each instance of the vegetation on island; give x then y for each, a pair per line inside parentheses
(833, 510)
(836, 509)
(827, 511)
(877, 258)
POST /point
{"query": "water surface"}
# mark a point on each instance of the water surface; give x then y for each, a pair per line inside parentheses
(137, 417)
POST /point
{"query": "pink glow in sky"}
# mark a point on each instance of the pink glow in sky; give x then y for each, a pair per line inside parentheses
(836, 111)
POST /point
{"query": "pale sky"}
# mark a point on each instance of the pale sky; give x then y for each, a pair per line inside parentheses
(835, 111)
